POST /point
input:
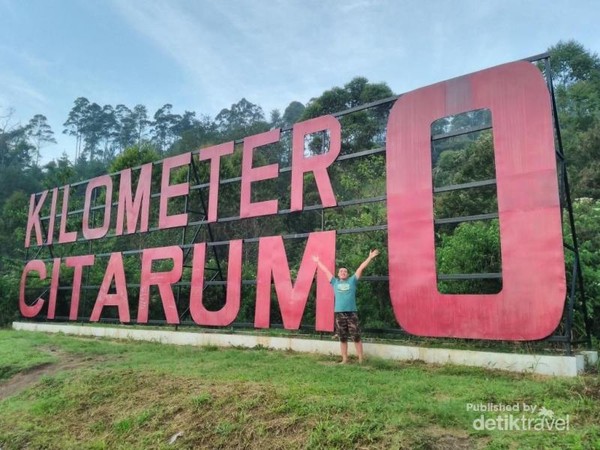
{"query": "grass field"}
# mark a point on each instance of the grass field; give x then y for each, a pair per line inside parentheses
(61, 392)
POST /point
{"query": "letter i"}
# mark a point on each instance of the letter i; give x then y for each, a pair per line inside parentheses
(52, 218)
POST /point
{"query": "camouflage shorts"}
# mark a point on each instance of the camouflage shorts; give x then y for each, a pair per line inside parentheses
(346, 325)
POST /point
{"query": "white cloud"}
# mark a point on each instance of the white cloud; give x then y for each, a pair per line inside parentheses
(189, 43)
(269, 52)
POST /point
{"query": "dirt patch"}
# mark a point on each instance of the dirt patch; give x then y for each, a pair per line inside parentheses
(31, 376)
(449, 439)
(591, 388)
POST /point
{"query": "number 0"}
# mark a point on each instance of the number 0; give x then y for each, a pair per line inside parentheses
(531, 302)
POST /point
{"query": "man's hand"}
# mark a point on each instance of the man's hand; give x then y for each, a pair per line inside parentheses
(321, 266)
(373, 253)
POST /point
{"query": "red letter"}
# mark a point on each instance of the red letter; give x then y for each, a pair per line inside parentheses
(114, 270)
(229, 312)
(97, 233)
(168, 191)
(33, 220)
(78, 262)
(133, 208)
(251, 174)
(531, 301)
(292, 298)
(316, 164)
(53, 288)
(52, 218)
(163, 280)
(214, 153)
(64, 236)
(31, 311)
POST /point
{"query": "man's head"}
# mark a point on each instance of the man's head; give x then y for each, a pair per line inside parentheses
(343, 273)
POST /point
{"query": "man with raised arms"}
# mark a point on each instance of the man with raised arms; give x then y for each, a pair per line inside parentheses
(346, 317)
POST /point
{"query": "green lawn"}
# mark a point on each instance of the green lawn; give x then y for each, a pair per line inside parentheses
(104, 394)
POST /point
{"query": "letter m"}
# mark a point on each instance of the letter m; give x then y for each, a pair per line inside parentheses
(292, 298)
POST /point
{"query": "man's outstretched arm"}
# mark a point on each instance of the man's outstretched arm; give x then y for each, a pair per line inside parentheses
(365, 263)
(321, 266)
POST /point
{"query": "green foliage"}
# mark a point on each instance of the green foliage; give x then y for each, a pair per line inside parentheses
(9, 291)
(243, 119)
(357, 92)
(471, 162)
(15, 149)
(202, 133)
(293, 112)
(13, 220)
(572, 63)
(134, 156)
(469, 247)
(59, 172)
(587, 223)
(473, 247)
(362, 130)
(585, 169)
(576, 72)
(475, 162)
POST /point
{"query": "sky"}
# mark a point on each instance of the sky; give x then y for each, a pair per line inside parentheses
(205, 55)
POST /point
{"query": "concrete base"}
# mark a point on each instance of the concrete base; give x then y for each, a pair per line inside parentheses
(590, 359)
(568, 366)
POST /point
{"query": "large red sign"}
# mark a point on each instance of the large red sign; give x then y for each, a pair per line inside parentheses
(528, 307)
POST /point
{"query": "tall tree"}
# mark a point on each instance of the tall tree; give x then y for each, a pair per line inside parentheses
(571, 63)
(40, 134)
(186, 122)
(201, 133)
(14, 146)
(164, 127)
(292, 114)
(109, 132)
(141, 121)
(92, 130)
(276, 120)
(95, 128)
(126, 127)
(242, 119)
(75, 123)
(17, 166)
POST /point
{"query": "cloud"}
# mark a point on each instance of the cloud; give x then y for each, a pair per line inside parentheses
(188, 40)
(269, 52)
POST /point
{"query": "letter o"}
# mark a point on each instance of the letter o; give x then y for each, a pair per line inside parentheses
(531, 302)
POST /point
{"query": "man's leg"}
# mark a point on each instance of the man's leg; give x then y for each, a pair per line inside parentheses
(344, 351)
(359, 350)
(341, 325)
(354, 332)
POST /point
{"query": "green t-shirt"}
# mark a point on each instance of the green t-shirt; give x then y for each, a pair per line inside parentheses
(345, 294)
